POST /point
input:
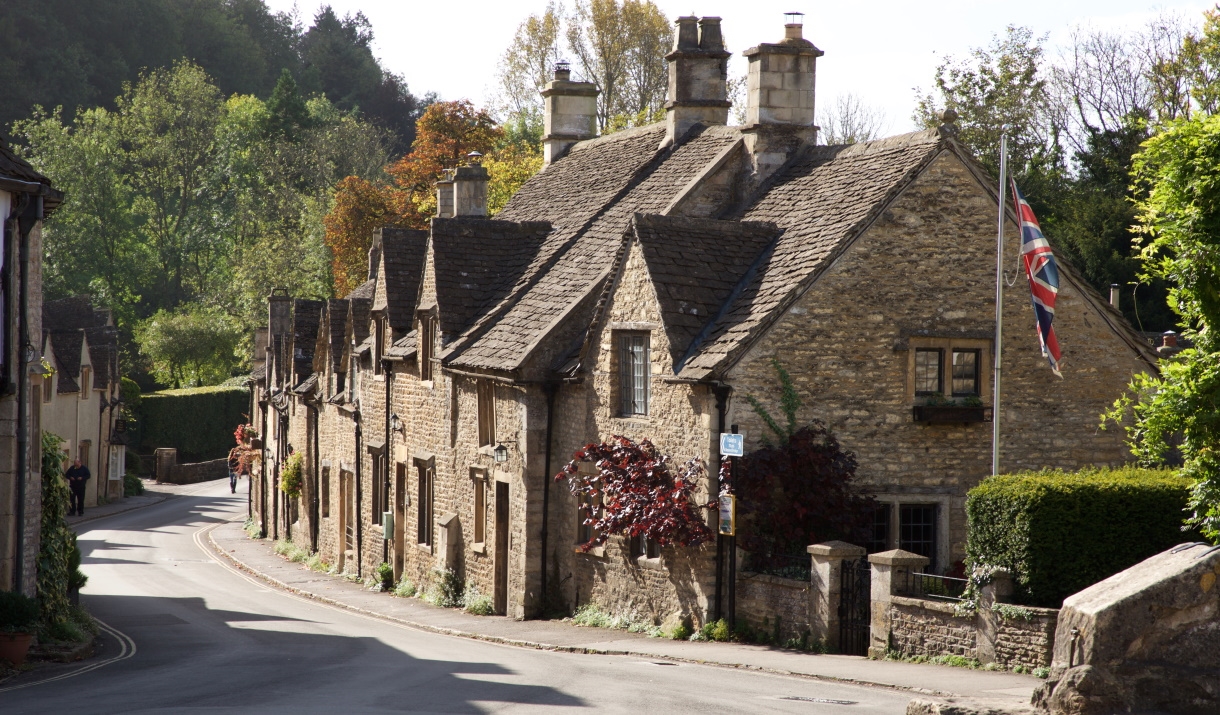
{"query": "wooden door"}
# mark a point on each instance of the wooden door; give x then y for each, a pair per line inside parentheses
(400, 518)
(501, 553)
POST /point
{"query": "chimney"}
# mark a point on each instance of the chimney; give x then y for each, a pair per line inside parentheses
(1114, 295)
(470, 188)
(779, 108)
(279, 305)
(698, 77)
(375, 254)
(569, 115)
(444, 196)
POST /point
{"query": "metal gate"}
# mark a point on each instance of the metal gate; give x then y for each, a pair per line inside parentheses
(855, 612)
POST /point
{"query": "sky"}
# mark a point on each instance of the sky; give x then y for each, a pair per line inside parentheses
(880, 51)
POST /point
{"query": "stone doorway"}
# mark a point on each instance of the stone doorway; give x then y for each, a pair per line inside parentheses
(400, 518)
(500, 567)
(347, 519)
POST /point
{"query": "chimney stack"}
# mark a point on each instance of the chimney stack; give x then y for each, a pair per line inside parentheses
(569, 115)
(779, 108)
(470, 188)
(1114, 295)
(698, 77)
(444, 195)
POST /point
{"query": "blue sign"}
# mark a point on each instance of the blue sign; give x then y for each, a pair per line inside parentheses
(732, 445)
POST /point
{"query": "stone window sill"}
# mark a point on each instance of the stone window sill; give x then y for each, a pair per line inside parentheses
(646, 563)
(597, 552)
(426, 548)
(479, 547)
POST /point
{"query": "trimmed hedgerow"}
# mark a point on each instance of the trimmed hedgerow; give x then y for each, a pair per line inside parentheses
(1060, 532)
(198, 421)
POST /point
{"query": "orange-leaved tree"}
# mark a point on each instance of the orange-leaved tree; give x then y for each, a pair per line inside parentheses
(445, 134)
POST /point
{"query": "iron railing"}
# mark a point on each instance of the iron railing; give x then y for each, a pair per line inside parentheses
(934, 586)
(791, 566)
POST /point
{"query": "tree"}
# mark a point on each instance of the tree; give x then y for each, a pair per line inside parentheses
(192, 346)
(849, 120)
(1178, 175)
(621, 48)
(528, 63)
(637, 492)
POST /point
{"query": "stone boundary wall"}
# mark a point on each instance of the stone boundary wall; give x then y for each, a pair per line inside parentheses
(197, 472)
(930, 628)
(760, 596)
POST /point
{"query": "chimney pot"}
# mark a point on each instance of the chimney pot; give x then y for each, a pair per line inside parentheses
(1169, 339)
(687, 36)
(470, 191)
(698, 77)
(563, 72)
(444, 196)
(710, 37)
(1114, 295)
(570, 113)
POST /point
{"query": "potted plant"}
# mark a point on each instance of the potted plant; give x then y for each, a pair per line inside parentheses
(938, 409)
(18, 622)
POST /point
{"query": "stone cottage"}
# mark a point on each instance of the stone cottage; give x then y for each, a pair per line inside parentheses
(642, 285)
(80, 397)
(26, 198)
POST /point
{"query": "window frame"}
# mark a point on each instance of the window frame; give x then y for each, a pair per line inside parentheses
(634, 372)
(485, 397)
(324, 497)
(940, 371)
(948, 345)
(425, 509)
(86, 378)
(978, 368)
(479, 477)
(907, 543)
(427, 340)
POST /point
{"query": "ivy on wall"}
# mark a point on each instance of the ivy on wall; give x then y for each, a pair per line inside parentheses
(56, 540)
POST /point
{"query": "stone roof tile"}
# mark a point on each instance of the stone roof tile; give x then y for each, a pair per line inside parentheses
(402, 252)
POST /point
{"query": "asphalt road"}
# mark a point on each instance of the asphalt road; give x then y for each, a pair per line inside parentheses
(185, 633)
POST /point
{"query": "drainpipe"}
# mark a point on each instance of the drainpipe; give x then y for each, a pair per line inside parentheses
(359, 504)
(385, 462)
(31, 212)
(313, 521)
(550, 388)
(721, 391)
(262, 477)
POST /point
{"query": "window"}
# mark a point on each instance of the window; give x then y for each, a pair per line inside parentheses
(917, 531)
(83, 451)
(427, 341)
(86, 383)
(965, 373)
(879, 536)
(633, 373)
(381, 497)
(48, 387)
(928, 371)
(340, 383)
(486, 390)
(427, 480)
(325, 491)
(480, 506)
(643, 547)
(379, 338)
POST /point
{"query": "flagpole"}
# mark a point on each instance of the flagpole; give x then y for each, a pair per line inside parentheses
(999, 310)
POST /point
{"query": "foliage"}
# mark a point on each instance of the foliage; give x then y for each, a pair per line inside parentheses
(1111, 518)
(591, 615)
(405, 588)
(848, 120)
(620, 47)
(528, 63)
(640, 491)
(292, 477)
(190, 347)
(444, 588)
(1179, 215)
(18, 613)
(55, 540)
(76, 578)
(195, 421)
(385, 572)
(477, 603)
(509, 168)
(133, 486)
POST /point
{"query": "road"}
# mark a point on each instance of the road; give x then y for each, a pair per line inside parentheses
(186, 633)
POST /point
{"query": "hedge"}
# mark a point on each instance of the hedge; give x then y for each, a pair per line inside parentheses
(1060, 532)
(198, 421)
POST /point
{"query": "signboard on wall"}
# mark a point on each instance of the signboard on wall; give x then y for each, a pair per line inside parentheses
(732, 445)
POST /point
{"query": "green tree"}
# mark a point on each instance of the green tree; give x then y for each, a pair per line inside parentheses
(1178, 175)
(192, 346)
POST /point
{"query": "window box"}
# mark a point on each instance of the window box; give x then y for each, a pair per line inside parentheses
(951, 414)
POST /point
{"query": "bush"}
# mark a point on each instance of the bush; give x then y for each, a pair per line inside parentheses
(444, 589)
(291, 479)
(1060, 532)
(18, 613)
(477, 603)
(132, 485)
(198, 421)
(405, 588)
(385, 573)
(56, 541)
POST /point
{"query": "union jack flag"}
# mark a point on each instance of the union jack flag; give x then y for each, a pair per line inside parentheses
(1043, 275)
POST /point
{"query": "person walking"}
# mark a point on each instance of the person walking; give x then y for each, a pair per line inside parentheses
(78, 476)
(234, 468)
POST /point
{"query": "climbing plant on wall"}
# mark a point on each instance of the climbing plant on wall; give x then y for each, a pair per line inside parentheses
(56, 540)
(637, 491)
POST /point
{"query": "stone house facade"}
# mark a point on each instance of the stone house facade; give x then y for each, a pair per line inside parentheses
(26, 198)
(80, 397)
(642, 285)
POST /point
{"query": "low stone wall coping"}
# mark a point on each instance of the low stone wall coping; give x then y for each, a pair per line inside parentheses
(839, 549)
(928, 604)
(898, 557)
(774, 580)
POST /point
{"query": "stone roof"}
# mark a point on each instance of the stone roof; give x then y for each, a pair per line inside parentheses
(589, 197)
(103, 342)
(74, 313)
(821, 200)
(402, 253)
(477, 262)
(15, 167)
(358, 319)
(365, 290)
(306, 314)
(76, 316)
(336, 325)
(695, 264)
(67, 347)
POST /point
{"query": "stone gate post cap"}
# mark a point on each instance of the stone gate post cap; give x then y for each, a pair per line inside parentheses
(898, 557)
(837, 549)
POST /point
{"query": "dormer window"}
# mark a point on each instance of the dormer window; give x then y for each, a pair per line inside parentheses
(427, 343)
(86, 384)
(486, 390)
(379, 338)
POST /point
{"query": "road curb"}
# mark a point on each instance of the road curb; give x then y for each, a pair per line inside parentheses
(534, 645)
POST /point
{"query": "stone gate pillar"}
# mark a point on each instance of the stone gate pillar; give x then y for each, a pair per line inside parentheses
(827, 577)
(891, 575)
(998, 590)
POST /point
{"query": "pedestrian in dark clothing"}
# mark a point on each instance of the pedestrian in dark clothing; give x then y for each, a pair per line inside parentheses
(78, 476)
(234, 468)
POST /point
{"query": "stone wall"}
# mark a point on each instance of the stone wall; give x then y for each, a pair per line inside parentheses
(762, 599)
(931, 628)
(197, 472)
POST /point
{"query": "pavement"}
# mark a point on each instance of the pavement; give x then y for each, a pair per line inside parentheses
(256, 557)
